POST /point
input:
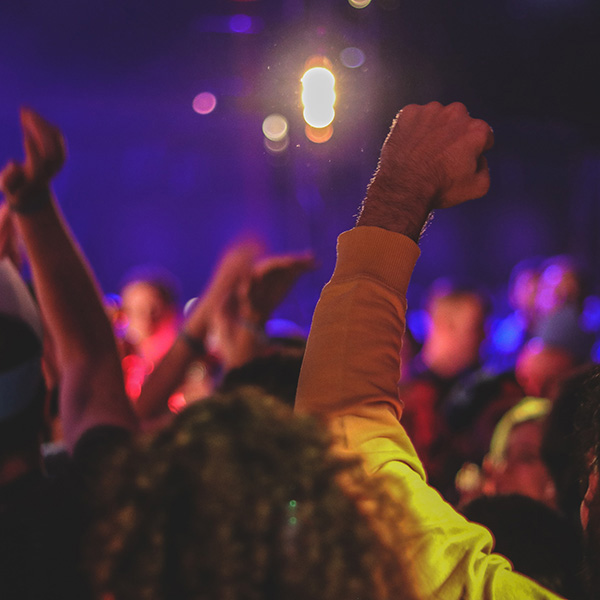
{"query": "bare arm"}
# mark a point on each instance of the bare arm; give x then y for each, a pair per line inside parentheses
(91, 381)
(242, 320)
(169, 373)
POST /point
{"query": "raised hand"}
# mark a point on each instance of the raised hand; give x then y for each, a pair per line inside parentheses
(271, 280)
(432, 158)
(232, 270)
(45, 153)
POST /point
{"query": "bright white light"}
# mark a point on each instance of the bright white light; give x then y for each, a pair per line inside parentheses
(275, 127)
(359, 3)
(318, 96)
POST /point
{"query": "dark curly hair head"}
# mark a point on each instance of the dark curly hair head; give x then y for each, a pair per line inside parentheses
(239, 499)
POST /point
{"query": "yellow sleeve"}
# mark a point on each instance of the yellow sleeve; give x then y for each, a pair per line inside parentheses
(350, 375)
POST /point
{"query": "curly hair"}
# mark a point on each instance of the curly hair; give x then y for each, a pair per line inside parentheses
(239, 499)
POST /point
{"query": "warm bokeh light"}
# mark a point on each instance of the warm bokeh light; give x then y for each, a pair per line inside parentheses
(277, 147)
(204, 103)
(359, 3)
(319, 135)
(352, 57)
(275, 127)
(318, 96)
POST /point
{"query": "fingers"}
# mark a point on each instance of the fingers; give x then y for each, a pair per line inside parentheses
(44, 147)
(297, 263)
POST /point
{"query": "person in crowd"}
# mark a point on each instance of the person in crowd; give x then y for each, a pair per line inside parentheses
(230, 316)
(514, 464)
(588, 436)
(560, 448)
(448, 362)
(276, 374)
(541, 368)
(539, 541)
(432, 158)
(511, 332)
(148, 319)
(41, 519)
(237, 497)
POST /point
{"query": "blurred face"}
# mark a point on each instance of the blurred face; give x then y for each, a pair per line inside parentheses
(144, 309)
(522, 470)
(523, 292)
(540, 370)
(460, 323)
(558, 285)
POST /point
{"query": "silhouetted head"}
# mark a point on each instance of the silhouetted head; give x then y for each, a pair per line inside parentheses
(239, 498)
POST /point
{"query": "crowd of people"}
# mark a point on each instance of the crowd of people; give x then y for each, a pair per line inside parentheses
(152, 453)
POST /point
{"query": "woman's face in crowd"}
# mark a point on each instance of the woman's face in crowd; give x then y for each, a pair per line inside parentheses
(144, 308)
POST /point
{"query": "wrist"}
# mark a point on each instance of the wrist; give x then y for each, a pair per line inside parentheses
(395, 210)
(30, 201)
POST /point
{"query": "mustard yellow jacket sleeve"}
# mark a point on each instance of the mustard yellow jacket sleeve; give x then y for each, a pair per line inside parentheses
(350, 375)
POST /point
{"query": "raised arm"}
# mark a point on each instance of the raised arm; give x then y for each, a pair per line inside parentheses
(91, 381)
(241, 322)
(431, 159)
(234, 266)
(240, 297)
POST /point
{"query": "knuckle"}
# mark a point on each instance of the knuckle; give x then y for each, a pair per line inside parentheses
(457, 108)
(409, 109)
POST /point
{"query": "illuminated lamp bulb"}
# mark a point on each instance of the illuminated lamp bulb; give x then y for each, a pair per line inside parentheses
(319, 135)
(275, 127)
(318, 97)
(204, 103)
(359, 3)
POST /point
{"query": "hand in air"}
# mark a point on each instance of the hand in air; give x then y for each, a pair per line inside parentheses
(271, 280)
(436, 153)
(45, 155)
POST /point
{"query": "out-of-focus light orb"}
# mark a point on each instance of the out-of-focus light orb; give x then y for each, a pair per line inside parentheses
(359, 3)
(352, 57)
(319, 135)
(277, 147)
(204, 103)
(240, 23)
(318, 96)
(189, 306)
(275, 127)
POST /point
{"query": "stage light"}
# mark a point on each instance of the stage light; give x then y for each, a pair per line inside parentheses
(319, 135)
(359, 3)
(318, 96)
(352, 57)
(204, 103)
(275, 127)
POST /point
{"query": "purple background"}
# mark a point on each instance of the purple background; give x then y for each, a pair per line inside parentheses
(150, 181)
